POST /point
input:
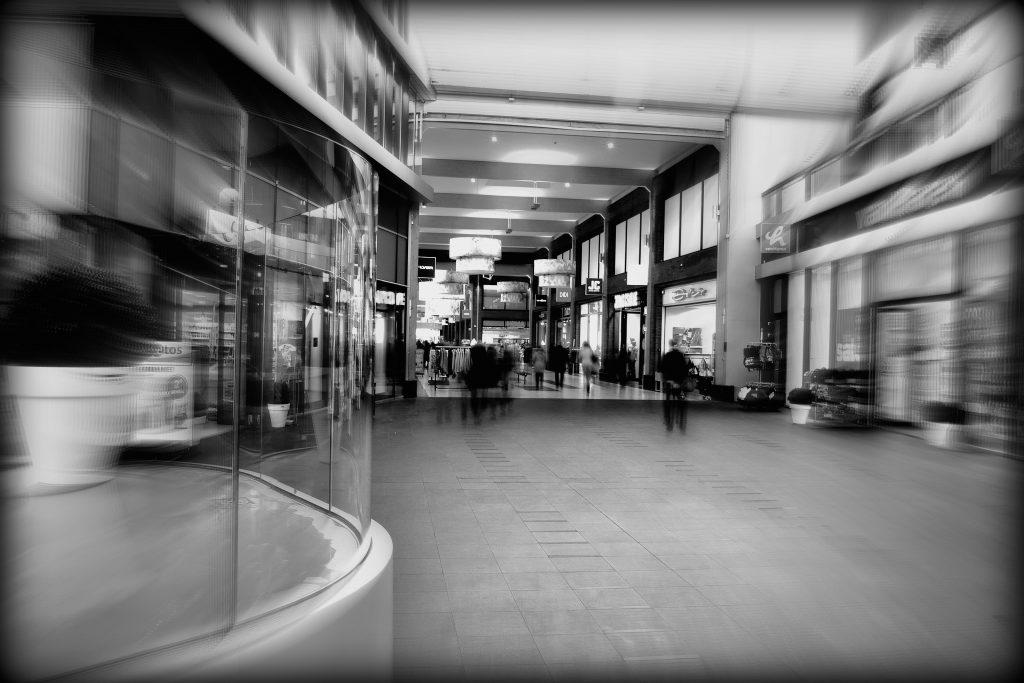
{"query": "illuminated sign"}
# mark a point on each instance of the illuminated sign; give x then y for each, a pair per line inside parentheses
(776, 239)
(689, 293)
(626, 300)
(427, 268)
(563, 295)
(593, 285)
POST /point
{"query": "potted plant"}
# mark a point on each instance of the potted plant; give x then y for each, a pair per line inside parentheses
(279, 404)
(943, 423)
(800, 401)
(73, 333)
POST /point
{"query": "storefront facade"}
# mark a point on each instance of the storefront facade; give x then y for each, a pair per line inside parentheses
(901, 256)
(689, 317)
(250, 226)
(627, 324)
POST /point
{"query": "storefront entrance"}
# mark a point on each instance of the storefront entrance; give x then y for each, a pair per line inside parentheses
(915, 359)
(388, 351)
(627, 336)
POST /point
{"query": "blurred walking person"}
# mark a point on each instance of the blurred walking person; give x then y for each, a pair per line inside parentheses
(674, 368)
(587, 362)
(540, 361)
(559, 359)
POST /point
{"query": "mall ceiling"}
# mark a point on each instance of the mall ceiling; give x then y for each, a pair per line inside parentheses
(545, 112)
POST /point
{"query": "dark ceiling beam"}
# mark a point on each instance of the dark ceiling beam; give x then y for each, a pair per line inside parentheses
(547, 204)
(519, 225)
(494, 170)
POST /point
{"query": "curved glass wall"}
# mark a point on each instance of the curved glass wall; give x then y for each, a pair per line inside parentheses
(243, 482)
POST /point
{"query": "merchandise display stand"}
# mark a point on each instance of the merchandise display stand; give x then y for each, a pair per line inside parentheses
(763, 393)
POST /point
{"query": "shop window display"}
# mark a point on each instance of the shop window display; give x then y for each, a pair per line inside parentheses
(214, 516)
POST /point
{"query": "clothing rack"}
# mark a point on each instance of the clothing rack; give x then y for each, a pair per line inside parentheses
(447, 361)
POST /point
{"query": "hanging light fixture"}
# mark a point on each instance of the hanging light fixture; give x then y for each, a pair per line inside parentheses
(513, 292)
(451, 277)
(553, 272)
(443, 307)
(441, 290)
(474, 255)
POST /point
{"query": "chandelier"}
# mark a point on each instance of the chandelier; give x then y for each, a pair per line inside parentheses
(553, 272)
(513, 292)
(441, 290)
(443, 308)
(474, 255)
(446, 277)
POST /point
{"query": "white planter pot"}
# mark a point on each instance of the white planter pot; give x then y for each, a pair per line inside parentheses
(799, 413)
(278, 413)
(942, 434)
(75, 420)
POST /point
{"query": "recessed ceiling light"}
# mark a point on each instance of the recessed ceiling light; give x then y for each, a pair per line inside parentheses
(494, 138)
(567, 184)
(611, 145)
(472, 180)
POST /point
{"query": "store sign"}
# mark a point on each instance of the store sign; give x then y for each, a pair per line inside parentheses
(399, 298)
(776, 239)
(927, 190)
(688, 294)
(563, 295)
(427, 268)
(384, 297)
(593, 285)
(541, 300)
(626, 300)
(163, 404)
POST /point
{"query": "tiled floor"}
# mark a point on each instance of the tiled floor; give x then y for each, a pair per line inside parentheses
(578, 539)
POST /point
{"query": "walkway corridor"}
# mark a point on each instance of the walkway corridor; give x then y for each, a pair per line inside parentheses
(578, 539)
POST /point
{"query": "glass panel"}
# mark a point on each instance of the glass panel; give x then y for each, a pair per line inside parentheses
(386, 245)
(601, 258)
(709, 236)
(137, 562)
(620, 248)
(793, 195)
(689, 220)
(645, 238)
(820, 313)
(401, 266)
(585, 261)
(204, 195)
(671, 247)
(851, 316)
(144, 177)
(633, 241)
(351, 416)
(374, 103)
(355, 73)
(920, 269)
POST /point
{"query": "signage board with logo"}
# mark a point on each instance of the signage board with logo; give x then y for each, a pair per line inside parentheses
(163, 406)
(775, 238)
(427, 268)
(626, 300)
(541, 300)
(696, 292)
(593, 285)
(563, 295)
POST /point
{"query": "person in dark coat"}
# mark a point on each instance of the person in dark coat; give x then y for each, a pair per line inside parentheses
(674, 368)
(477, 377)
(559, 359)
